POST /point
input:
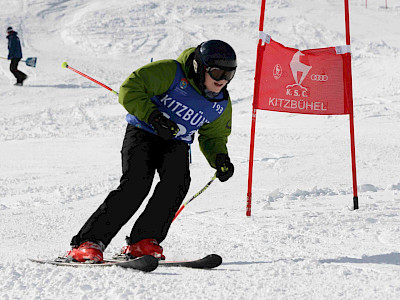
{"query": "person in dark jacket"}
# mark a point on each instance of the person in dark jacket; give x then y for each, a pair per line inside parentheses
(15, 55)
(167, 102)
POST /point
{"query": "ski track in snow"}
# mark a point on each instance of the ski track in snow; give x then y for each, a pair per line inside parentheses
(60, 137)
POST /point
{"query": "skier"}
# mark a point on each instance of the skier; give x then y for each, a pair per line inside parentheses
(15, 55)
(167, 102)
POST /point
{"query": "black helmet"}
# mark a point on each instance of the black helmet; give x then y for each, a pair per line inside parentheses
(216, 53)
(213, 53)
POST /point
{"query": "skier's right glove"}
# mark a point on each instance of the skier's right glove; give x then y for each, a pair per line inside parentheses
(224, 166)
(164, 127)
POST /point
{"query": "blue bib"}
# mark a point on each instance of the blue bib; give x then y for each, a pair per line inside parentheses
(185, 106)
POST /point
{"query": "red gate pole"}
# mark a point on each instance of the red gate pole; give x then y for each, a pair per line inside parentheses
(253, 118)
(251, 158)
(350, 105)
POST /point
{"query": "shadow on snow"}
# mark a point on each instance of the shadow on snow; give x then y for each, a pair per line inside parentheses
(390, 259)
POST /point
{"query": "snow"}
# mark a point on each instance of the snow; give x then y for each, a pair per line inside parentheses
(60, 137)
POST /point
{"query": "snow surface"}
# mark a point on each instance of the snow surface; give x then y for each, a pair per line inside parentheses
(60, 137)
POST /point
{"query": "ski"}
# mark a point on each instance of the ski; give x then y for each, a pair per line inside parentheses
(145, 263)
(208, 262)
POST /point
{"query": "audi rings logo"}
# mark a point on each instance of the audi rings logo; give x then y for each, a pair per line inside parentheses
(316, 77)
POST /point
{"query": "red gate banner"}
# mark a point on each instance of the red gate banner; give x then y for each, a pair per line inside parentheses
(314, 81)
(306, 82)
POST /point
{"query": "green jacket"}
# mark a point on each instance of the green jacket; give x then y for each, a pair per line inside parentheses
(155, 79)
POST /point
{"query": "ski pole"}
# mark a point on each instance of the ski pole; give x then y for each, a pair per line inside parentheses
(66, 66)
(195, 195)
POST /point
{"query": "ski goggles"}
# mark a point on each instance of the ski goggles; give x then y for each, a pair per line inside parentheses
(220, 74)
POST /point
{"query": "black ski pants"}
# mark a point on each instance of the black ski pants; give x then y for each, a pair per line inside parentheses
(14, 69)
(142, 154)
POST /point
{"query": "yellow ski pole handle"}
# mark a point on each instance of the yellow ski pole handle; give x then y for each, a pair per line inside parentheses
(224, 169)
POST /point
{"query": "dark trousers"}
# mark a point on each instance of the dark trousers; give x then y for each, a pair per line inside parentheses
(142, 154)
(14, 69)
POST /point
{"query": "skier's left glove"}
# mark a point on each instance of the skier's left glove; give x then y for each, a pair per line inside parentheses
(224, 166)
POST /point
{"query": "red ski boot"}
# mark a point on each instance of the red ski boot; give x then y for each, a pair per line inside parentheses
(144, 247)
(88, 251)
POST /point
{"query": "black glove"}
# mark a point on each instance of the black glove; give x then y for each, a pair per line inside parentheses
(224, 167)
(164, 127)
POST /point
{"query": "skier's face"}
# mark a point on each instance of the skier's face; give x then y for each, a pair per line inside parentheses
(213, 85)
